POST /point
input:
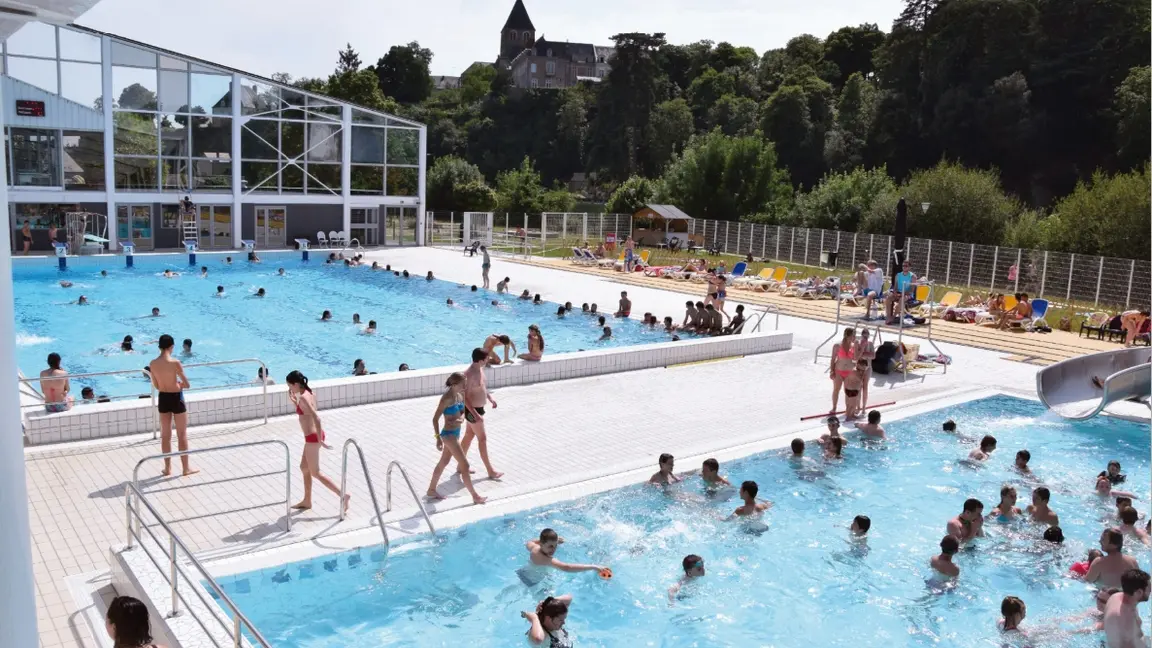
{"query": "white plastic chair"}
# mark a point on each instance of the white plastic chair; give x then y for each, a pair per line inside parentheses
(321, 239)
(334, 238)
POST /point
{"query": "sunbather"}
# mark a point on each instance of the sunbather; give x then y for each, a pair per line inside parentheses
(1018, 313)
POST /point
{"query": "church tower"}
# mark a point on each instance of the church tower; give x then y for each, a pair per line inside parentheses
(518, 33)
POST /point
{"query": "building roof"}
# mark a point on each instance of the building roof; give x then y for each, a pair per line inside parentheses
(669, 212)
(518, 18)
(577, 52)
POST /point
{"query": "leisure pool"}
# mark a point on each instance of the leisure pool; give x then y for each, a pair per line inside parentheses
(792, 579)
(415, 326)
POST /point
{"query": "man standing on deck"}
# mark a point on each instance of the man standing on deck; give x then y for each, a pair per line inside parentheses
(485, 265)
(169, 380)
(475, 397)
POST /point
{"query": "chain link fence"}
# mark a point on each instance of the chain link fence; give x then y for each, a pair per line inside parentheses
(1060, 276)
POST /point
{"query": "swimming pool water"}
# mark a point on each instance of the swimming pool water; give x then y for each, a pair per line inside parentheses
(799, 583)
(415, 326)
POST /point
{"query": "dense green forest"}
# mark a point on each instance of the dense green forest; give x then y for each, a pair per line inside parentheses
(1024, 122)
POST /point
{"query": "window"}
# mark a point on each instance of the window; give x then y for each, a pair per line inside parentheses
(367, 145)
(534, 83)
(547, 83)
(403, 146)
(78, 46)
(83, 161)
(36, 72)
(127, 55)
(549, 52)
(173, 91)
(550, 68)
(35, 157)
(33, 39)
(134, 88)
(532, 68)
(527, 37)
(80, 82)
(211, 93)
(600, 73)
(512, 34)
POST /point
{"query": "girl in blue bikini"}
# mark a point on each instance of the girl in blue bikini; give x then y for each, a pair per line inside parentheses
(452, 408)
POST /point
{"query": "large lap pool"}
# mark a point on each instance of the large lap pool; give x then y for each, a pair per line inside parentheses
(800, 582)
(282, 329)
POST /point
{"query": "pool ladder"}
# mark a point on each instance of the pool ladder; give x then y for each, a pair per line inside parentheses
(372, 491)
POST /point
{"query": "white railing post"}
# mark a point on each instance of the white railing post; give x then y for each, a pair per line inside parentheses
(1131, 273)
(779, 233)
(1071, 266)
(1016, 282)
(792, 245)
(971, 262)
(584, 226)
(763, 240)
(948, 266)
(616, 228)
(855, 235)
(727, 228)
(740, 237)
(807, 236)
(1044, 273)
(995, 259)
(928, 261)
(822, 242)
(1099, 279)
(173, 575)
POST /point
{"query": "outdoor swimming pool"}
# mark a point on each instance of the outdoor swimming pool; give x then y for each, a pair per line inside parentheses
(801, 582)
(283, 328)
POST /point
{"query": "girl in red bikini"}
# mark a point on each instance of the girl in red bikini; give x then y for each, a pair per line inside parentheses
(842, 365)
(305, 403)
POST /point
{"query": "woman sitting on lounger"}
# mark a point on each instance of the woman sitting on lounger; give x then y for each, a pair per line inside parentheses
(1019, 313)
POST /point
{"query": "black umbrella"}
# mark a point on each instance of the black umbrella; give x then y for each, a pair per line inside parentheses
(899, 239)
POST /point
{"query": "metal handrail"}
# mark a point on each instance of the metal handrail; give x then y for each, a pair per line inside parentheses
(152, 388)
(770, 308)
(232, 446)
(415, 497)
(367, 478)
(176, 570)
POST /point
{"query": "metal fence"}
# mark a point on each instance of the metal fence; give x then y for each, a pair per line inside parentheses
(1059, 276)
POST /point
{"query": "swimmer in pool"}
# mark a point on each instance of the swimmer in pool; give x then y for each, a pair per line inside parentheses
(280, 272)
(498, 339)
(751, 506)
(228, 260)
(219, 291)
(984, 452)
(797, 448)
(693, 568)
(1128, 518)
(1104, 489)
(942, 562)
(833, 424)
(502, 286)
(326, 316)
(525, 295)
(542, 553)
(155, 312)
(547, 622)
(710, 473)
(560, 312)
(83, 301)
(355, 318)
(65, 284)
(1021, 463)
(452, 407)
(872, 429)
(103, 273)
(665, 474)
(169, 274)
(536, 300)
(203, 271)
(970, 522)
(1113, 473)
(187, 347)
(625, 307)
(600, 321)
(607, 334)
(260, 292)
(371, 328)
(429, 277)
(1038, 511)
(1006, 510)
(859, 527)
(126, 344)
(834, 448)
(1013, 612)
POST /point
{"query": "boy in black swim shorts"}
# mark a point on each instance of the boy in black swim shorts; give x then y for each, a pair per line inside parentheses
(170, 382)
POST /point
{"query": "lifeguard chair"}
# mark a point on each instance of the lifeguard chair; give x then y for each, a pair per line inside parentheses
(189, 226)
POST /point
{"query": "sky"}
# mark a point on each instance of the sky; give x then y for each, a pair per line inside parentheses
(302, 37)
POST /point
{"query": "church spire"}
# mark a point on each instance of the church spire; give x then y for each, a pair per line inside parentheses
(518, 18)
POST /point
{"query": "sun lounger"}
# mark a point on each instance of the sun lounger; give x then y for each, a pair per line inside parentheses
(608, 262)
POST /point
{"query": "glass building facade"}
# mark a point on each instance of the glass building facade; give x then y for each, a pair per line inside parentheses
(94, 122)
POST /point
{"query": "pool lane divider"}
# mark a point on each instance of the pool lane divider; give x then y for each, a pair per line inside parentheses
(810, 417)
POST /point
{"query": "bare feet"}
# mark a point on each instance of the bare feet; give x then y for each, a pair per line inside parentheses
(479, 500)
(302, 506)
(191, 471)
(433, 495)
(167, 472)
(495, 475)
(347, 500)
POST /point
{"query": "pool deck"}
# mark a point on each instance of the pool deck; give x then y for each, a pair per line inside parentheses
(542, 436)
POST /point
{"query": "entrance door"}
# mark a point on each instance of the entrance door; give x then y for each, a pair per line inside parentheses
(271, 227)
(134, 223)
(392, 225)
(366, 226)
(408, 226)
(215, 226)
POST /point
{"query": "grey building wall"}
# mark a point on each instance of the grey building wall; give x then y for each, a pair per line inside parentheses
(303, 221)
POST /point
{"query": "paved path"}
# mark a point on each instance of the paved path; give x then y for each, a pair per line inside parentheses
(543, 436)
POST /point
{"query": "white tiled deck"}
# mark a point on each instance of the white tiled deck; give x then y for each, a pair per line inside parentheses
(541, 436)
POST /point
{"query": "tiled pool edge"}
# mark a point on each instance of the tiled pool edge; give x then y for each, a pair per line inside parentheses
(246, 404)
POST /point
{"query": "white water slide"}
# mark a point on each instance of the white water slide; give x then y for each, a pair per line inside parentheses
(1067, 387)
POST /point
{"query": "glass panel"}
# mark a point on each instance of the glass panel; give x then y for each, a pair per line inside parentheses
(368, 145)
(292, 100)
(134, 223)
(170, 63)
(174, 136)
(211, 175)
(260, 98)
(260, 177)
(320, 109)
(323, 142)
(173, 91)
(135, 134)
(368, 180)
(402, 181)
(206, 225)
(169, 216)
(33, 39)
(79, 46)
(291, 179)
(221, 226)
(403, 146)
(37, 72)
(136, 174)
(364, 117)
(259, 139)
(212, 93)
(212, 137)
(407, 226)
(291, 139)
(134, 88)
(196, 67)
(323, 179)
(174, 173)
(127, 55)
(34, 155)
(81, 82)
(83, 160)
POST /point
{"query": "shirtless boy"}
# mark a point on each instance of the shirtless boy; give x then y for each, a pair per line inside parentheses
(987, 446)
(1039, 511)
(872, 428)
(1121, 619)
(475, 396)
(542, 553)
(493, 341)
(665, 474)
(942, 562)
(1108, 570)
(970, 523)
(170, 382)
(750, 506)
(710, 473)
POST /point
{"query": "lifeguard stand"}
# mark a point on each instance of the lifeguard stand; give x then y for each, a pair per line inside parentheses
(189, 226)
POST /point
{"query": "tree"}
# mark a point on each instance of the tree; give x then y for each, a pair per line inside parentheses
(734, 115)
(476, 82)
(403, 73)
(669, 132)
(361, 88)
(725, 178)
(964, 205)
(796, 117)
(349, 60)
(845, 144)
(706, 90)
(446, 177)
(136, 97)
(631, 196)
(851, 50)
(1106, 215)
(840, 200)
(634, 86)
(572, 127)
(1133, 118)
(519, 191)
